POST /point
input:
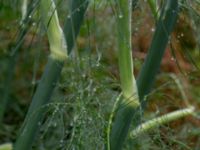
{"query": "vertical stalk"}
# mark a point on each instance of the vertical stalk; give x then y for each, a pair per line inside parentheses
(36, 110)
(13, 56)
(129, 104)
(155, 53)
(58, 53)
(51, 74)
(74, 21)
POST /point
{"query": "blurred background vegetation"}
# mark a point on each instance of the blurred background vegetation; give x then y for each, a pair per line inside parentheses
(82, 101)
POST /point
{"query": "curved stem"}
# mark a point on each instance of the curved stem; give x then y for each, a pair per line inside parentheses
(151, 124)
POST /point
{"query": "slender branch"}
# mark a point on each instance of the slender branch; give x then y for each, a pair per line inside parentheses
(150, 125)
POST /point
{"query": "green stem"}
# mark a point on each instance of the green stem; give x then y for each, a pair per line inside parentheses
(110, 120)
(129, 103)
(13, 56)
(154, 8)
(149, 125)
(153, 59)
(74, 21)
(55, 34)
(50, 76)
(36, 109)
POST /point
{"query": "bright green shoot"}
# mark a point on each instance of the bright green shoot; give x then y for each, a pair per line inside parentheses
(129, 107)
(128, 83)
(58, 47)
(129, 103)
(151, 124)
(58, 54)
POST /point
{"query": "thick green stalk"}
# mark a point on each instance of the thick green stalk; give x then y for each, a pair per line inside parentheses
(153, 59)
(129, 104)
(50, 76)
(37, 107)
(58, 53)
(74, 21)
(57, 42)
